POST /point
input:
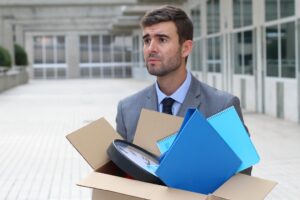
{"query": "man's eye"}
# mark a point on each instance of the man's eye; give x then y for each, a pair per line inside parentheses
(162, 40)
(146, 41)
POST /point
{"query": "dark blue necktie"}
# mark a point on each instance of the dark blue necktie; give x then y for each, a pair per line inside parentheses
(167, 105)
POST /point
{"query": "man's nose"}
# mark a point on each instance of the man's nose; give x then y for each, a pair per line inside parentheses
(152, 46)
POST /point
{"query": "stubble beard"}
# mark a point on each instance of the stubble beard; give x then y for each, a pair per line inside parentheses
(172, 64)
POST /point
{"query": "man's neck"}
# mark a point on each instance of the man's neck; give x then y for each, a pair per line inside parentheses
(170, 83)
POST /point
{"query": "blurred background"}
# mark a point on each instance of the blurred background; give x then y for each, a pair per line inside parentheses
(65, 63)
(247, 47)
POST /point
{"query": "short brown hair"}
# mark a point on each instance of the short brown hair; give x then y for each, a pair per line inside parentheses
(170, 13)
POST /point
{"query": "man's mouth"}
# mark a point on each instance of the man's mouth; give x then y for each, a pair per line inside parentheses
(153, 59)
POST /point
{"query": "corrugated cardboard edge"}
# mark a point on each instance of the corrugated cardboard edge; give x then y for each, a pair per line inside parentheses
(92, 140)
(136, 189)
(155, 126)
(245, 187)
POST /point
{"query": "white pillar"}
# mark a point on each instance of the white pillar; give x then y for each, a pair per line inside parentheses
(72, 54)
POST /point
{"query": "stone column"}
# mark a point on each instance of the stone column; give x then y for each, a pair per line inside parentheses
(7, 38)
(72, 50)
(1, 31)
(19, 35)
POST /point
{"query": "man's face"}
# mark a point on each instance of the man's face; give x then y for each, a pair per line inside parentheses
(162, 51)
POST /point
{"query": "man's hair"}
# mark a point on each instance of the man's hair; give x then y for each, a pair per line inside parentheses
(168, 13)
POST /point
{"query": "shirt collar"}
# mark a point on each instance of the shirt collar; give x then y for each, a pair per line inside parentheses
(179, 94)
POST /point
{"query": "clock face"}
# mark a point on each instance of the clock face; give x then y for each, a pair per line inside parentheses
(139, 157)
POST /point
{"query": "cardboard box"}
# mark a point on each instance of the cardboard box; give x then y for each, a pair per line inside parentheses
(107, 182)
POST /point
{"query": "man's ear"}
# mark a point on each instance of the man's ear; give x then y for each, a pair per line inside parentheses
(187, 47)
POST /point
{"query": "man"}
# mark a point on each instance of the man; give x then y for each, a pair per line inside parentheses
(168, 41)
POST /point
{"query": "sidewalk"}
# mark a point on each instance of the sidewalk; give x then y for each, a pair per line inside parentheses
(37, 162)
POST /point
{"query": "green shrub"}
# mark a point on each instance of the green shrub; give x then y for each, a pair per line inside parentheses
(5, 58)
(20, 56)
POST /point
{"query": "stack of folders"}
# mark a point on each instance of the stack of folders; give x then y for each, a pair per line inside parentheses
(205, 152)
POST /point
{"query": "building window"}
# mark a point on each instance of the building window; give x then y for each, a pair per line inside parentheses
(49, 57)
(196, 19)
(243, 52)
(38, 50)
(107, 48)
(280, 49)
(136, 51)
(213, 16)
(196, 53)
(242, 13)
(84, 49)
(105, 55)
(196, 56)
(96, 52)
(61, 49)
(49, 50)
(277, 9)
(214, 54)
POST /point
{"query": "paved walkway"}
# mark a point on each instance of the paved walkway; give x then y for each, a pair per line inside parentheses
(37, 162)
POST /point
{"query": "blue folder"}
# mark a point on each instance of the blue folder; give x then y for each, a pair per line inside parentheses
(229, 126)
(199, 160)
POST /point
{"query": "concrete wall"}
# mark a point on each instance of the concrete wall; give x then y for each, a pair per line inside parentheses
(12, 79)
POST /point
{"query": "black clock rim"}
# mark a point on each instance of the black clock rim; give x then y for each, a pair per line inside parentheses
(130, 167)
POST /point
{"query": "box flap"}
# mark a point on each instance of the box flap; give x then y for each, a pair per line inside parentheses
(136, 188)
(213, 197)
(153, 126)
(92, 140)
(245, 187)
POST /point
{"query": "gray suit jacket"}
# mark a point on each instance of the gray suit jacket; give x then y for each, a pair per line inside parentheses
(207, 99)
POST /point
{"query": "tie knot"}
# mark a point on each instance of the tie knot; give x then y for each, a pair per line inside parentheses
(167, 105)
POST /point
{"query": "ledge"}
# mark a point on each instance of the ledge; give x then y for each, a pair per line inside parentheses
(13, 78)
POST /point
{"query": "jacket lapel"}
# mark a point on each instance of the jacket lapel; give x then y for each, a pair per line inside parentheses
(192, 99)
(151, 99)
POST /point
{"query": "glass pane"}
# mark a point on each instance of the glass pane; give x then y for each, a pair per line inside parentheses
(272, 50)
(118, 48)
(195, 13)
(84, 49)
(218, 54)
(218, 67)
(237, 13)
(95, 49)
(216, 16)
(38, 50)
(135, 49)
(128, 48)
(247, 9)
(61, 53)
(199, 56)
(193, 57)
(211, 67)
(248, 53)
(48, 42)
(287, 8)
(210, 17)
(237, 45)
(106, 41)
(210, 54)
(288, 62)
(210, 48)
(271, 10)
(196, 56)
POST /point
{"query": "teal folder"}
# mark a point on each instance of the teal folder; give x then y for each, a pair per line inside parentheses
(230, 127)
(199, 160)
